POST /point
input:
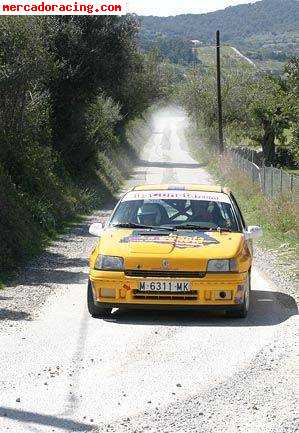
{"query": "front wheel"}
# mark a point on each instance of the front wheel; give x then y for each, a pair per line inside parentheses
(95, 311)
(242, 312)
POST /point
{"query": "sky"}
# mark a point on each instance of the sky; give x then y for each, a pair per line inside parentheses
(176, 7)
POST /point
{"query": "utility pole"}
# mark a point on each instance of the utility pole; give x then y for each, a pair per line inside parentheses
(219, 97)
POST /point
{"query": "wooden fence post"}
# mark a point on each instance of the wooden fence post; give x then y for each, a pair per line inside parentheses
(292, 183)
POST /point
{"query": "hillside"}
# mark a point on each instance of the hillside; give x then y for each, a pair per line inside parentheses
(231, 58)
(243, 21)
(266, 30)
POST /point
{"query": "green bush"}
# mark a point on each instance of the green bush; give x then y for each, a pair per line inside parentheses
(20, 236)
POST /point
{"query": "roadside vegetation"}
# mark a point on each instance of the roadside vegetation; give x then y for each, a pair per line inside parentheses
(72, 91)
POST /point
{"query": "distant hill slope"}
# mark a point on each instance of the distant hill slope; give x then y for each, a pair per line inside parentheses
(244, 21)
(231, 58)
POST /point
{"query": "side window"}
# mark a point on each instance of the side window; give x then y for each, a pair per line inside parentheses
(229, 217)
(239, 215)
(126, 212)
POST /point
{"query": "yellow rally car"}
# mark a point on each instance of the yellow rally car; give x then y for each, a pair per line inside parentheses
(172, 246)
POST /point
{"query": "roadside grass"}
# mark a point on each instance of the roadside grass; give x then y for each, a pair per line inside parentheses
(277, 217)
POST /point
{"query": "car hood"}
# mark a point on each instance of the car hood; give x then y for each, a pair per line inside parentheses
(184, 249)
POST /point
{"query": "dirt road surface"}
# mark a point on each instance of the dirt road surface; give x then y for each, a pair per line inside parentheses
(166, 372)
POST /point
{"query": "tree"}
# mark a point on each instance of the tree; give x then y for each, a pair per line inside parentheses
(94, 55)
(270, 114)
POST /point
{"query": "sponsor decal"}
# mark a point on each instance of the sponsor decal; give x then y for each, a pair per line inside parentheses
(185, 239)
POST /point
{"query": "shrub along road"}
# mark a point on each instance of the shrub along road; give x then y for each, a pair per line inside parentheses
(62, 371)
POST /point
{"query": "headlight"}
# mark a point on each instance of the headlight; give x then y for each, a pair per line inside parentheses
(109, 263)
(222, 266)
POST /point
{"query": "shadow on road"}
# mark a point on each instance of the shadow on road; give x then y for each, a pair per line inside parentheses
(268, 308)
(6, 313)
(5, 298)
(47, 420)
(164, 164)
(47, 277)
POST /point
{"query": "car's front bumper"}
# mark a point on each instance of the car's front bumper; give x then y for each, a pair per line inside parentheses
(203, 292)
(189, 307)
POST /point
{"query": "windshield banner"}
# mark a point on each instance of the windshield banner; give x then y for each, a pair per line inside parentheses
(177, 195)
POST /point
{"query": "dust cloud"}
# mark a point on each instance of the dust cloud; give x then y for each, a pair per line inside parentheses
(169, 118)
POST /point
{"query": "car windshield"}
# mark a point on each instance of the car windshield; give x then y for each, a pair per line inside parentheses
(206, 211)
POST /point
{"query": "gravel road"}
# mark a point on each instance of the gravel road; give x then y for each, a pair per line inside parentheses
(156, 372)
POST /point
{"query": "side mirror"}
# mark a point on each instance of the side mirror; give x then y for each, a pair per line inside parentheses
(253, 232)
(96, 229)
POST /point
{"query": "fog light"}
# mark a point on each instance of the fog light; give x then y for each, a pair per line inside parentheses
(108, 293)
(223, 295)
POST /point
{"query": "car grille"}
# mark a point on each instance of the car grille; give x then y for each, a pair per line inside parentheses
(163, 274)
(166, 296)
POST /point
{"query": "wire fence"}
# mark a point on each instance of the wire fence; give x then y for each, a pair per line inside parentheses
(273, 181)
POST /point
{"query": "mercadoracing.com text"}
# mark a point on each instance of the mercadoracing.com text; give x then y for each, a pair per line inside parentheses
(32, 7)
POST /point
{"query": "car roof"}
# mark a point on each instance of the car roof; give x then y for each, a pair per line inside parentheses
(182, 187)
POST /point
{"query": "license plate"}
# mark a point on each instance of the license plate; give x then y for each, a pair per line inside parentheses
(164, 286)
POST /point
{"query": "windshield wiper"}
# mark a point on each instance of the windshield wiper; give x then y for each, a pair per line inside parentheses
(199, 227)
(140, 226)
(171, 228)
(191, 227)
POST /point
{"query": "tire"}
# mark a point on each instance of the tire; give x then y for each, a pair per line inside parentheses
(95, 311)
(242, 312)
